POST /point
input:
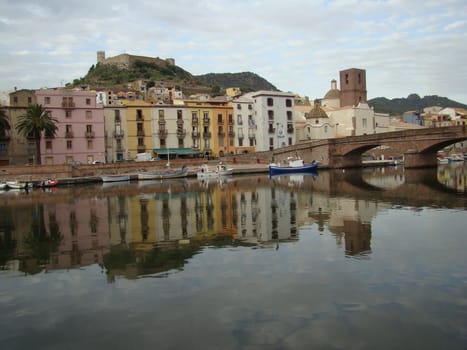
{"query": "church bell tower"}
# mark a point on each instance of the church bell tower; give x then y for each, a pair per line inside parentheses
(353, 86)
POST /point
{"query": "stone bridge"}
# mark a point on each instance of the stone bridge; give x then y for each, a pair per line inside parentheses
(419, 147)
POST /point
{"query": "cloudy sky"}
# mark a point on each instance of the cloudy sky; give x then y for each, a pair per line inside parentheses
(405, 46)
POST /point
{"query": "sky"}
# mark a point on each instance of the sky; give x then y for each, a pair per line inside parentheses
(299, 46)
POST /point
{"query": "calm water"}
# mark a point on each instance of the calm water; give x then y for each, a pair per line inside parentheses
(372, 259)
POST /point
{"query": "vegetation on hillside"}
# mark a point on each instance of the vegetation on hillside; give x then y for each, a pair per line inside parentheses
(109, 74)
(413, 102)
(246, 81)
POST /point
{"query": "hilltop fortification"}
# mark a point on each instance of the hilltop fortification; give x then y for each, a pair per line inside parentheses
(126, 61)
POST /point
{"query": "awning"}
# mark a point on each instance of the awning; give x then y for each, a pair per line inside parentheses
(176, 151)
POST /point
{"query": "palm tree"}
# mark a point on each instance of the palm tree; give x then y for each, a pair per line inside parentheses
(33, 123)
(4, 122)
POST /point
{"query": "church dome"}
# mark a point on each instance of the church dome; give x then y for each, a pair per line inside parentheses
(334, 93)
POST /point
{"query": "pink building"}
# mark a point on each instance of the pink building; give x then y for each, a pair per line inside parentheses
(80, 134)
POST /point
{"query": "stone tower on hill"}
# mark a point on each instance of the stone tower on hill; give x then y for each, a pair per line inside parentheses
(126, 61)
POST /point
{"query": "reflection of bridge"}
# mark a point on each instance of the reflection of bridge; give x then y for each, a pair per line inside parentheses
(419, 147)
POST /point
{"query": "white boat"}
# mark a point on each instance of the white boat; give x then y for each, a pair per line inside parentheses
(442, 160)
(220, 170)
(115, 178)
(18, 185)
(3, 186)
(164, 174)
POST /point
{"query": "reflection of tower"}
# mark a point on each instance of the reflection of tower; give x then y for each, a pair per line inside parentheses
(353, 86)
(357, 237)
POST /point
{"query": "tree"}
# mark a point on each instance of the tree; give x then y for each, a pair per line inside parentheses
(4, 122)
(32, 124)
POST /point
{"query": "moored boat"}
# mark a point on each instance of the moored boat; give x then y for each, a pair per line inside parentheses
(164, 174)
(220, 170)
(47, 183)
(115, 178)
(3, 186)
(294, 165)
(18, 185)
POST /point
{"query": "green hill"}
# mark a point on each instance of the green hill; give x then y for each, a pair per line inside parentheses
(108, 75)
(246, 81)
(413, 102)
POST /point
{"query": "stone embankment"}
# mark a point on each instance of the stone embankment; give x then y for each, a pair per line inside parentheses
(74, 174)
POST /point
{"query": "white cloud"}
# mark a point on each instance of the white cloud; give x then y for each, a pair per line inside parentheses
(297, 45)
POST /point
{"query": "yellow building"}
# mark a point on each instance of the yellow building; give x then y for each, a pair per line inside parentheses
(139, 127)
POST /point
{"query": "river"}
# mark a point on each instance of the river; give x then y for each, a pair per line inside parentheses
(346, 259)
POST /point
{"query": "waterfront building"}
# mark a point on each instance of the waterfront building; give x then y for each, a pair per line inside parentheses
(273, 113)
(139, 127)
(116, 133)
(80, 133)
(245, 125)
(15, 149)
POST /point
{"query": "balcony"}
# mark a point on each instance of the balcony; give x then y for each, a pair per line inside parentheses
(89, 134)
(141, 148)
(179, 122)
(181, 133)
(206, 121)
(118, 134)
(140, 133)
(271, 130)
(195, 134)
(119, 148)
(69, 134)
(221, 133)
(162, 133)
(194, 121)
(231, 133)
(68, 104)
(161, 121)
(207, 135)
(290, 129)
(240, 136)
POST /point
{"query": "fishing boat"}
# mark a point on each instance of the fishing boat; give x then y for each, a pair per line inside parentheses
(115, 178)
(47, 183)
(293, 165)
(164, 174)
(220, 170)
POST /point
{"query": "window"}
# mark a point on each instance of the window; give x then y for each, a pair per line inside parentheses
(46, 100)
(179, 114)
(15, 99)
(194, 117)
(161, 114)
(88, 128)
(67, 114)
(271, 115)
(231, 119)
(289, 115)
(89, 144)
(139, 114)
(239, 119)
(3, 149)
(270, 101)
(88, 114)
(219, 119)
(48, 145)
(364, 122)
(117, 116)
(140, 141)
(29, 100)
(288, 102)
(68, 128)
(239, 106)
(346, 78)
(88, 101)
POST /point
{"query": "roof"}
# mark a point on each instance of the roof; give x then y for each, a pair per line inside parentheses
(333, 94)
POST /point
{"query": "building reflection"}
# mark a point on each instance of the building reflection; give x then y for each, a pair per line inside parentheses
(157, 227)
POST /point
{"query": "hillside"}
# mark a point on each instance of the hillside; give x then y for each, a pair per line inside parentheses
(398, 106)
(106, 75)
(246, 81)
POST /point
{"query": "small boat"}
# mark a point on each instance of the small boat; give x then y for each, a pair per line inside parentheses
(47, 183)
(164, 174)
(3, 186)
(18, 185)
(294, 165)
(220, 170)
(442, 160)
(115, 178)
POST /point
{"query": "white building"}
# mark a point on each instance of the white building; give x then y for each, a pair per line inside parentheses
(273, 112)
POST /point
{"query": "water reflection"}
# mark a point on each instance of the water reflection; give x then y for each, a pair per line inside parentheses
(155, 228)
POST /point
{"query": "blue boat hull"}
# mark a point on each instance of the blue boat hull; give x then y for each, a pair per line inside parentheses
(308, 168)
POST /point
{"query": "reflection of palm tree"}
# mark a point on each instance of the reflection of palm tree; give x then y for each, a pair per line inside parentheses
(39, 243)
